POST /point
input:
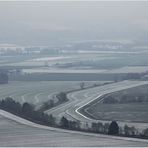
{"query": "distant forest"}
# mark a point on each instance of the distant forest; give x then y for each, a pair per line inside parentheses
(3, 77)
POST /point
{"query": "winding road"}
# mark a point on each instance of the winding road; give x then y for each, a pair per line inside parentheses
(79, 99)
(15, 131)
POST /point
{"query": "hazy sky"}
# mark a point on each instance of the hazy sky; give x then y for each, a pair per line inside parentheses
(28, 19)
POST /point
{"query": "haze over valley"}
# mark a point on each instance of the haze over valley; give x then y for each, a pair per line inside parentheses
(73, 73)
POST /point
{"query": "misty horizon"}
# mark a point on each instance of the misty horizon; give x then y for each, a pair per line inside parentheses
(46, 23)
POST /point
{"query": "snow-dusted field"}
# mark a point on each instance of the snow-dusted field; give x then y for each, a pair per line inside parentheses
(124, 110)
(36, 92)
(126, 70)
(130, 69)
(55, 70)
(15, 131)
(51, 59)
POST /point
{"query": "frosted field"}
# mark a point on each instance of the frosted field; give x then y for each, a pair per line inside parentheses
(15, 133)
(51, 70)
(130, 69)
(105, 57)
(49, 58)
(38, 92)
(63, 58)
(101, 62)
(127, 69)
(131, 112)
(34, 92)
(134, 112)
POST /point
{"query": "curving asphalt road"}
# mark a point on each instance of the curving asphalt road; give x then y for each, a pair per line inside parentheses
(15, 131)
(79, 99)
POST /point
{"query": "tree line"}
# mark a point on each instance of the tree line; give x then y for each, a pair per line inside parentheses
(3, 77)
(61, 97)
(28, 112)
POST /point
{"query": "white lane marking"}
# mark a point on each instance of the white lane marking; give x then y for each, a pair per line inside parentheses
(85, 105)
(100, 95)
(62, 105)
